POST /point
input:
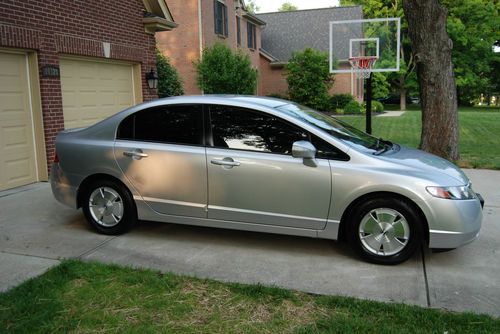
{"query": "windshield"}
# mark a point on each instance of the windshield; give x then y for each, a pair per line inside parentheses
(338, 129)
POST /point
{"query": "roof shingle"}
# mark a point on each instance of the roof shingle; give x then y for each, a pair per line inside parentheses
(291, 31)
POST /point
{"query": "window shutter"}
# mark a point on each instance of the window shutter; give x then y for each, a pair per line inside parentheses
(215, 16)
(254, 39)
(225, 21)
(249, 35)
(238, 30)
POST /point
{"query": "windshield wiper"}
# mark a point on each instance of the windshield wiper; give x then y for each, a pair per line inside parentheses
(387, 146)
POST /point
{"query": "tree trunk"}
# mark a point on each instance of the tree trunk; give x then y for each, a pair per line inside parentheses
(402, 97)
(432, 48)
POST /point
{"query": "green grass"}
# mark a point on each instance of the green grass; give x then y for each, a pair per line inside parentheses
(389, 107)
(479, 133)
(83, 297)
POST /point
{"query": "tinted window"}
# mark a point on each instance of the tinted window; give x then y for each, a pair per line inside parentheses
(325, 150)
(165, 124)
(245, 129)
(334, 127)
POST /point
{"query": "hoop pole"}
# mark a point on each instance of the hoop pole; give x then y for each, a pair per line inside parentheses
(369, 104)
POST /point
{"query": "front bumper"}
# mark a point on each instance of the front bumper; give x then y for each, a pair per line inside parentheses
(481, 200)
(455, 222)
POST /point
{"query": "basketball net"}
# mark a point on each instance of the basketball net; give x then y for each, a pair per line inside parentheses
(363, 65)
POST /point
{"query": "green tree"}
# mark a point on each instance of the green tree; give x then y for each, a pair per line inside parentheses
(380, 86)
(405, 80)
(222, 71)
(251, 6)
(494, 88)
(169, 82)
(309, 78)
(473, 27)
(287, 6)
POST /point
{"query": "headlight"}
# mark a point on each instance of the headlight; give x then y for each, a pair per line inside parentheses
(462, 192)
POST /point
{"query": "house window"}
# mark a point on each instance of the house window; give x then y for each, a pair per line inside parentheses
(251, 36)
(238, 30)
(220, 18)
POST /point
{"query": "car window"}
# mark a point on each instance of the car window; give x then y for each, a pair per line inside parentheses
(334, 127)
(246, 129)
(165, 124)
(325, 150)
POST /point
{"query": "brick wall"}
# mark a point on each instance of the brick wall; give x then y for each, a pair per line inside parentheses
(182, 45)
(75, 27)
(272, 80)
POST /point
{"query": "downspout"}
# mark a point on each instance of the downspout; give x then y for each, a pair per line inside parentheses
(200, 33)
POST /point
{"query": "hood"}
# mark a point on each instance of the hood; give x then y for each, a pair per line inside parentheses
(423, 161)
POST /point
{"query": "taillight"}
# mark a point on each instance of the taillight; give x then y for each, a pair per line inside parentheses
(56, 158)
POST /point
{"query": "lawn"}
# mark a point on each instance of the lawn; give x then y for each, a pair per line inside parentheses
(84, 297)
(479, 133)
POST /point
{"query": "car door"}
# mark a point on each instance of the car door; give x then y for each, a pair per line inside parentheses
(252, 176)
(162, 154)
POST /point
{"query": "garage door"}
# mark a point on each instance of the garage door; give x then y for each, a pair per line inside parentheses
(93, 90)
(17, 149)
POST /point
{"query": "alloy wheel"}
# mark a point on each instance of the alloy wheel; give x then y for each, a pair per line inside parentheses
(384, 232)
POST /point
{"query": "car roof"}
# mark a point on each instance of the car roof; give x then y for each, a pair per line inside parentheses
(250, 99)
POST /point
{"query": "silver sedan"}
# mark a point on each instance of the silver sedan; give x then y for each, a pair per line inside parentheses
(266, 165)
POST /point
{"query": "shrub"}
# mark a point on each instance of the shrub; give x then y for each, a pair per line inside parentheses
(353, 107)
(278, 96)
(339, 101)
(222, 71)
(377, 106)
(309, 78)
(169, 82)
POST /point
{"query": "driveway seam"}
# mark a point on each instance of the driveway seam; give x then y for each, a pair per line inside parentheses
(92, 250)
(2, 194)
(427, 293)
(29, 255)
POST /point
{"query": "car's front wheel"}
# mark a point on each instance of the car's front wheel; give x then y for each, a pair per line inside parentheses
(109, 207)
(385, 230)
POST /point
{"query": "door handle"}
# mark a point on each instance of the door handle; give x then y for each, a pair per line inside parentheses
(225, 162)
(136, 155)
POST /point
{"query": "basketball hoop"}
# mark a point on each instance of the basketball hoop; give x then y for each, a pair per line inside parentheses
(363, 65)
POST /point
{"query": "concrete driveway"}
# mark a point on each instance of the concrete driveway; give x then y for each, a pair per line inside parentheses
(36, 232)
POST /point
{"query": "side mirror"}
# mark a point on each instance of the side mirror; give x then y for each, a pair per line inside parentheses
(306, 150)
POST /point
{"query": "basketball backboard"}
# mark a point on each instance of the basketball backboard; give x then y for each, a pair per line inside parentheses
(358, 46)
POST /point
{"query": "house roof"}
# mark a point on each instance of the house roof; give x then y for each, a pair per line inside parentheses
(157, 16)
(291, 31)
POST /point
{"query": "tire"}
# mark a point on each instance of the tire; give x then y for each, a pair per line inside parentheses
(385, 230)
(109, 207)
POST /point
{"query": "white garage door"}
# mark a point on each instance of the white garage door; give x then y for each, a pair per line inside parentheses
(17, 149)
(93, 90)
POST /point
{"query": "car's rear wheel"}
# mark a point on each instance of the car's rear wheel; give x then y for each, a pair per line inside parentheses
(109, 207)
(385, 230)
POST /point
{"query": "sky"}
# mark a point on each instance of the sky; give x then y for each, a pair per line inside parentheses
(273, 5)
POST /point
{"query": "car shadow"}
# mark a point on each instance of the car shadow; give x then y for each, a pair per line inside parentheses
(246, 239)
